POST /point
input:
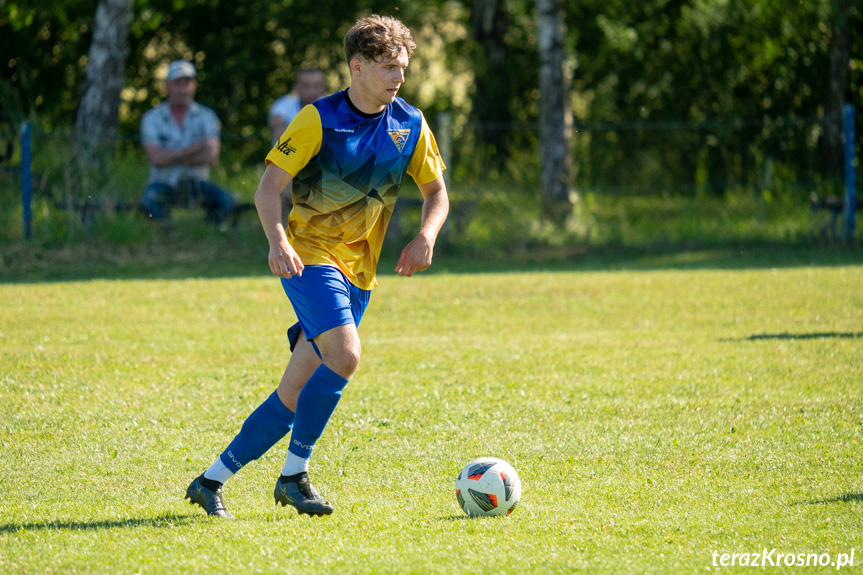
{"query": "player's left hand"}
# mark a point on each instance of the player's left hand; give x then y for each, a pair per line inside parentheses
(416, 257)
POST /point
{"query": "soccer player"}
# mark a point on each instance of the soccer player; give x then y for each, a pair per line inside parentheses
(346, 156)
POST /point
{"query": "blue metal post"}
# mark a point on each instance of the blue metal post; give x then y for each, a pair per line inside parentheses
(26, 179)
(850, 214)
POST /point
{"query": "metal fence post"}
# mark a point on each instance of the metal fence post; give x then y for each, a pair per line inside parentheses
(850, 214)
(26, 179)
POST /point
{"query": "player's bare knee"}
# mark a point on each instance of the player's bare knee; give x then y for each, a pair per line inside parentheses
(345, 361)
(347, 364)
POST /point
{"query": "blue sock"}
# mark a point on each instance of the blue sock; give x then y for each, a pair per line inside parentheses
(270, 422)
(315, 405)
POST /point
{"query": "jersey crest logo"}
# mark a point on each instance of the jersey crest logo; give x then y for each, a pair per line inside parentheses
(399, 137)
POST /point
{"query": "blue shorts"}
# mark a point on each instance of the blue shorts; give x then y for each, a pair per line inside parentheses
(323, 298)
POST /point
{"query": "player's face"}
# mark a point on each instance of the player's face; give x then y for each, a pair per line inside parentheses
(181, 91)
(380, 81)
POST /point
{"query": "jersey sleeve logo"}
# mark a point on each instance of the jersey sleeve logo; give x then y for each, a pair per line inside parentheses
(286, 148)
(400, 137)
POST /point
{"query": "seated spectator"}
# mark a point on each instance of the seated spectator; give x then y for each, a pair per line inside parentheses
(309, 86)
(182, 140)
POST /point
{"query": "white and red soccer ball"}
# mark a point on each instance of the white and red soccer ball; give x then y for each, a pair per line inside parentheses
(488, 486)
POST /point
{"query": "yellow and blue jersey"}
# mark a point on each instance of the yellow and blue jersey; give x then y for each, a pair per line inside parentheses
(347, 168)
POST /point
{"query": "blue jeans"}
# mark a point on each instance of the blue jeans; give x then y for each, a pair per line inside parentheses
(157, 199)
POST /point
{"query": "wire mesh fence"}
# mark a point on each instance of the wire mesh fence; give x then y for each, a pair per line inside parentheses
(661, 156)
(493, 175)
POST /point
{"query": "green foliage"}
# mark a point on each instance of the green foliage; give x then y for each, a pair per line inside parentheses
(663, 59)
(742, 79)
(654, 416)
(44, 46)
(696, 60)
(680, 97)
(247, 53)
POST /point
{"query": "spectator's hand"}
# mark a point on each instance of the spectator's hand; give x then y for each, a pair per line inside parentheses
(416, 257)
(199, 154)
(209, 147)
(284, 261)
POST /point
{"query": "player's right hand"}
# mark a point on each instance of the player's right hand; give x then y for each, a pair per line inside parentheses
(284, 261)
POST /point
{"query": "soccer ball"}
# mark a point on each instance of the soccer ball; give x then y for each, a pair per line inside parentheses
(488, 486)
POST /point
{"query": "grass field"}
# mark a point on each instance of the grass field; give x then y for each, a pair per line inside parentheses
(658, 417)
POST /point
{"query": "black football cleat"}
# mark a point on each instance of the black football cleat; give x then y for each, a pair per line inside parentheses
(298, 491)
(211, 501)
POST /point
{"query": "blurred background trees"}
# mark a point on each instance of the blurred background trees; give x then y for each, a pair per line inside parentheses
(689, 96)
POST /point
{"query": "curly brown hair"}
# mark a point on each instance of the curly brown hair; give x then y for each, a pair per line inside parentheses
(377, 38)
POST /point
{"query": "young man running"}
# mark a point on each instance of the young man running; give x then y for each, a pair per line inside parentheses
(346, 156)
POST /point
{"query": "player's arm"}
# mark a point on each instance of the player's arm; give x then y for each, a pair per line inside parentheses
(417, 255)
(283, 260)
(296, 146)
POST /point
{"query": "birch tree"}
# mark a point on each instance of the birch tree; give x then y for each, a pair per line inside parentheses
(96, 123)
(555, 114)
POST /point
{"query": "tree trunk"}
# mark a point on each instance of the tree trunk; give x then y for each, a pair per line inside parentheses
(555, 113)
(493, 89)
(837, 83)
(96, 124)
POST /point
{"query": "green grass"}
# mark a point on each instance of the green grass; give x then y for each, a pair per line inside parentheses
(655, 416)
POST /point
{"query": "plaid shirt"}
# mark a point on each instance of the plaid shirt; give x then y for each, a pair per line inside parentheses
(159, 127)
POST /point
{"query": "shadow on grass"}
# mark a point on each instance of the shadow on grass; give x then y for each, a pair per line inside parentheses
(244, 255)
(798, 336)
(162, 521)
(722, 257)
(844, 498)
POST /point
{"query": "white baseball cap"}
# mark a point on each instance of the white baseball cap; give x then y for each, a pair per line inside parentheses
(180, 69)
